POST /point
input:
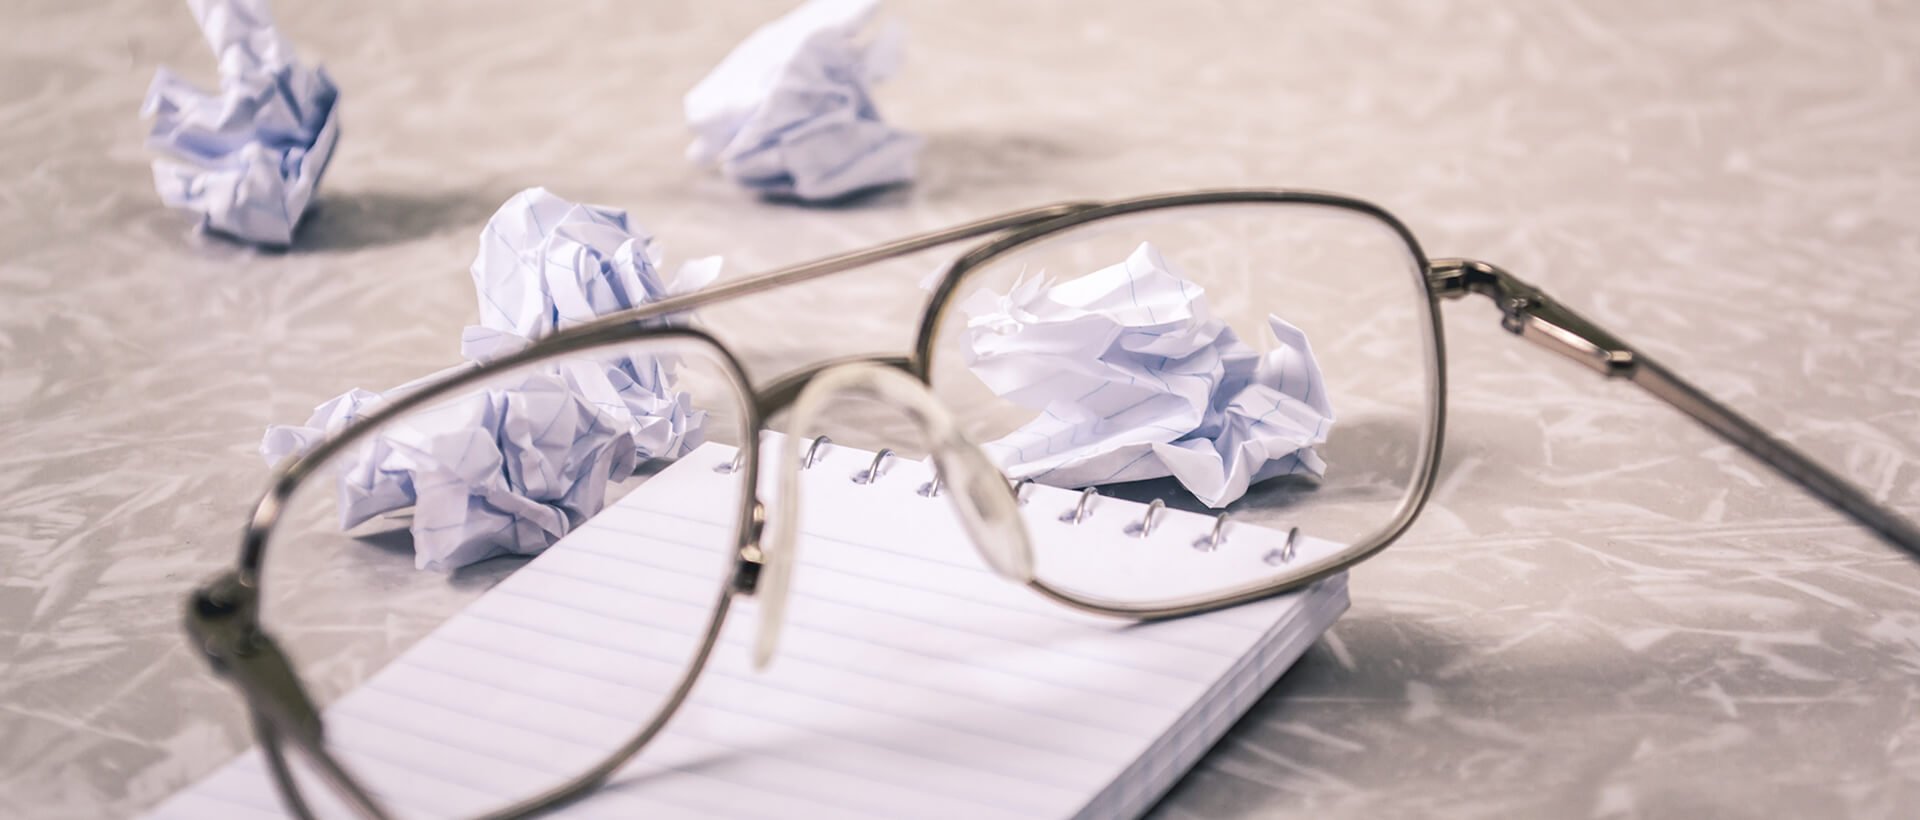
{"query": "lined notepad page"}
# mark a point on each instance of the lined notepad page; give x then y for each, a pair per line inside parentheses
(911, 682)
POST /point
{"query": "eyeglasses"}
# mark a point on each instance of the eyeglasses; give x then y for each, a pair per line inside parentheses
(1284, 344)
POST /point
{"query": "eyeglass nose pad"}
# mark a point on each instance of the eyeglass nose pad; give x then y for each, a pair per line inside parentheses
(776, 545)
(987, 508)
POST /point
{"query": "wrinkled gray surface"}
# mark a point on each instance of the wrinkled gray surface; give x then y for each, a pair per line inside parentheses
(1604, 612)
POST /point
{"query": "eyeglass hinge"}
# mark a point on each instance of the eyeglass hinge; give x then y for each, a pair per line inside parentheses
(1529, 313)
(1454, 278)
(223, 619)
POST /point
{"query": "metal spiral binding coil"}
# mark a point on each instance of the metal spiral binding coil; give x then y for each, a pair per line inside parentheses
(739, 460)
(1283, 555)
(1079, 511)
(872, 473)
(1142, 528)
(813, 451)
(1212, 540)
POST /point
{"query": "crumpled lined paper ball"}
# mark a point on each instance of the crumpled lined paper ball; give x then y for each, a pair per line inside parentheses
(247, 159)
(1133, 379)
(790, 112)
(546, 264)
(512, 469)
(494, 472)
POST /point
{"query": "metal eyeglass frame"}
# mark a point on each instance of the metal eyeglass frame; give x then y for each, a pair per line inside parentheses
(223, 616)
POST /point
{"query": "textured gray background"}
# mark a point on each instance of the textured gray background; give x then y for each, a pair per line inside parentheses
(1604, 612)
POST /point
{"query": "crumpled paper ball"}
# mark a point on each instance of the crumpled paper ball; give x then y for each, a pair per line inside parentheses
(248, 159)
(790, 112)
(512, 469)
(1134, 379)
(494, 472)
(547, 264)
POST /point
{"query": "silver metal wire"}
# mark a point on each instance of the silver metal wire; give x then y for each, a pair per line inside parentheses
(1283, 555)
(813, 451)
(1080, 509)
(867, 476)
(1214, 538)
(1144, 527)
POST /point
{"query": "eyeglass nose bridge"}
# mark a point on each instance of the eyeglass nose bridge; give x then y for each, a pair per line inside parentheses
(988, 510)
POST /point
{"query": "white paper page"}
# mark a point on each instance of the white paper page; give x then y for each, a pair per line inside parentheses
(910, 681)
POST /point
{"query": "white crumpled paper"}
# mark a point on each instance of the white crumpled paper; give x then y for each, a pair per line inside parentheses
(790, 111)
(494, 472)
(248, 158)
(512, 469)
(1135, 380)
(547, 264)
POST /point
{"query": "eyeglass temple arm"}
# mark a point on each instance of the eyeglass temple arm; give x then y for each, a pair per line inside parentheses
(1532, 315)
(839, 263)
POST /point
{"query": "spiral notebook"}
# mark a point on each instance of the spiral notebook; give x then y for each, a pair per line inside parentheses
(911, 682)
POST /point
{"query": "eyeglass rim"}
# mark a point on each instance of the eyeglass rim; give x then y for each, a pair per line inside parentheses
(288, 476)
(1426, 468)
(289, 479)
